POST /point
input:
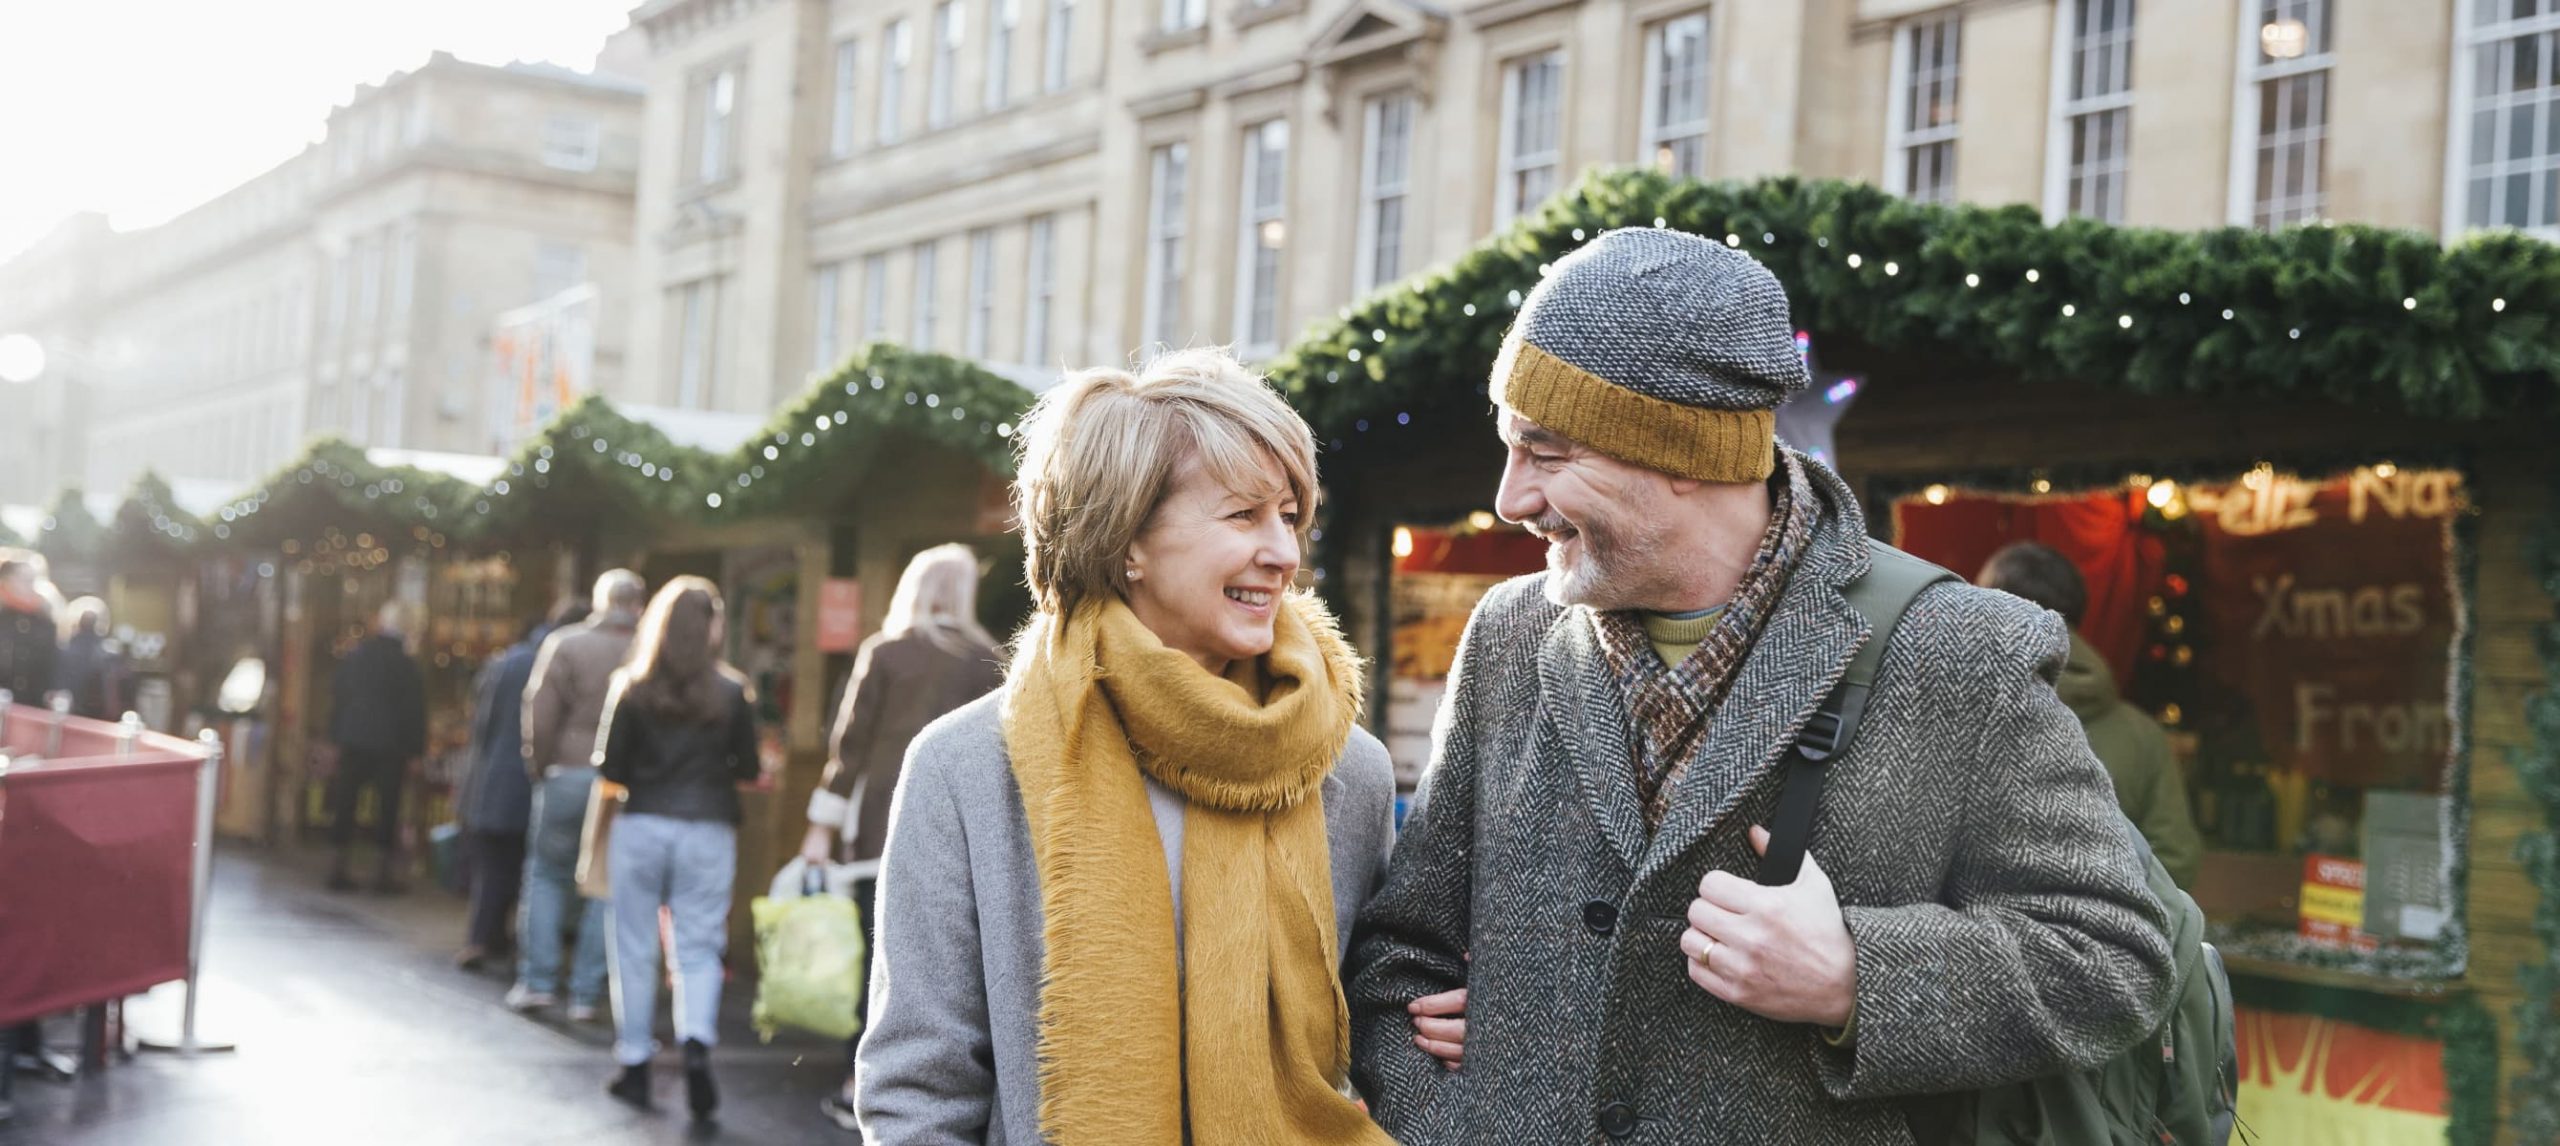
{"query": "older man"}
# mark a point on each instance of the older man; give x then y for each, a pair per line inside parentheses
(563, 704)
(1570, 914)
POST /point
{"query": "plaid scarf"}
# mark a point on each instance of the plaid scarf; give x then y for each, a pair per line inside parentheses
(1672, 703)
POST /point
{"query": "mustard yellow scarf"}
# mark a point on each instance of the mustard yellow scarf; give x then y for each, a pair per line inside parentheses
(1250, 1033)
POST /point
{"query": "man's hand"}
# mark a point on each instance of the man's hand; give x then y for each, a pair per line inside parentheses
(1440, 1026)
(819, 846)
(1781, 953)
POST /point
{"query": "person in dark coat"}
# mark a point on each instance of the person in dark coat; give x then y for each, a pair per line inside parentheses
(679, 731)
(378, 720)
(92, 668)
(497, 798)
(28, 655)
(930, 656)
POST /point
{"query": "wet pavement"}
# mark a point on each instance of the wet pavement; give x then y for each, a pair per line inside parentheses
(353, 1025)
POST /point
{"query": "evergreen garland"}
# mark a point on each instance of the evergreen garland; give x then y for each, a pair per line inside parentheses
(333, 487)
(150, 528)
(2380, 318)
(71, 535)
(2537, 1087)
(590, 465)
(817, 446)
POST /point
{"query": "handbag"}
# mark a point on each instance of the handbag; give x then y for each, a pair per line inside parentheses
(604, 802)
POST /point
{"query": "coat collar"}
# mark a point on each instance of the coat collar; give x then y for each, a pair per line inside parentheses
(1803, 650)
(1584, 720)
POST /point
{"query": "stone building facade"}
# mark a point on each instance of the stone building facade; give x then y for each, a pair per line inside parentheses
(351, 289)
(1047, 183)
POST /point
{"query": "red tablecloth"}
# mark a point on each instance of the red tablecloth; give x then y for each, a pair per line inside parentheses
(95, 867)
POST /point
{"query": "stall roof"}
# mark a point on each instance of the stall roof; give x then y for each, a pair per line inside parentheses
(711, 431)
(475, 469)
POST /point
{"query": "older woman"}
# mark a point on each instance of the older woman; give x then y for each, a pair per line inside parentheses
(929, 657)
(1116, 893)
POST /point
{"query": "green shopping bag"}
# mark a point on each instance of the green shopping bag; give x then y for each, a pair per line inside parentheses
(811, 952)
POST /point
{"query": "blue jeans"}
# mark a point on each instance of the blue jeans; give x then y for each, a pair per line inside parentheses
(688, 867)
(551, 893)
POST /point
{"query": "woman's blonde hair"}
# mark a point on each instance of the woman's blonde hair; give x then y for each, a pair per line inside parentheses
(1099, 453)
(937, 597)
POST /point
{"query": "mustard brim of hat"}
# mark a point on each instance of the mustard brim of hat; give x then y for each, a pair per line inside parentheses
(1683, 441)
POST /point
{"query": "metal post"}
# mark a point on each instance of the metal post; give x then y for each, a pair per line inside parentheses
(60, 702)
(208, 789)
(128, 733)
(200, 899)
(7, 698)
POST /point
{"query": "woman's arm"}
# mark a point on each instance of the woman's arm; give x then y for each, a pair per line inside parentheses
(925, 1073)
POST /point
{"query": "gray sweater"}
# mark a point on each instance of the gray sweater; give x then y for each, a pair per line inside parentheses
(955, 988)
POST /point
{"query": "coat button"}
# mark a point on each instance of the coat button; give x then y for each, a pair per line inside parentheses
(1618, 1119)
(1601, 916)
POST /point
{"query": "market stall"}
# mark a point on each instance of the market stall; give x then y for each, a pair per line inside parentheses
(2306, 474)
(807, 527)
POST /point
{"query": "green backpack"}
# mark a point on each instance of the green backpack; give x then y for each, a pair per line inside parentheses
(2176, 1087)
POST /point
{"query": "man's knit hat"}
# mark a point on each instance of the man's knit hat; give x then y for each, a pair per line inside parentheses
(1659, 348)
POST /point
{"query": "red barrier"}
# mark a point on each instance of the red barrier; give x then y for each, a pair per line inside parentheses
(97, 846)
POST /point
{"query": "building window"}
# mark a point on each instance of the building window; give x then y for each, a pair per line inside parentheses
(896, 47)
(1002, 16)
(1920, 159)
(697, 345)
(840, 117)
(390, 403)
(1182, 15)
(2510, 174)
(1062, 36)
(825, 293)
(2093, 134)
(342, 284)
(1675, 96)
(1386, 171)
(557, 267)
(715, 107)
(1532, 133)
(982, 293)
(1169, 171)
(420, 120)
(570, 143)
(404, 273)
(368, 285)
(2283, 106)
(875, 298)
(1040, 289)
(1262, 235)
(949, 22)
(920, 332)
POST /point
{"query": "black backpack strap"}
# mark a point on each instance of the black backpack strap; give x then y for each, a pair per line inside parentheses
(1893, 580)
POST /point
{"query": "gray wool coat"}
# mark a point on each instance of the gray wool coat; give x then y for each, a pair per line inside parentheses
(951, 1053)
(2002, 924)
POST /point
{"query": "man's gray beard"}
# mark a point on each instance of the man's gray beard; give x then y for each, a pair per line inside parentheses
(1598, 578)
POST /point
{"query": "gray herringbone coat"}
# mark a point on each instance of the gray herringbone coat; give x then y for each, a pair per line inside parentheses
(2002, 924)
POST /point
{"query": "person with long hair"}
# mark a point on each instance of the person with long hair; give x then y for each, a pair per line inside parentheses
(929, 657)
(1115, 894)
(680, 735)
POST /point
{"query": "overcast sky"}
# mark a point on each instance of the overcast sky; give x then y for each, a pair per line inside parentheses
(144, 108)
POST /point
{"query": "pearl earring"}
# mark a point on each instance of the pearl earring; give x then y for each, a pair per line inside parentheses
(1133, 574)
